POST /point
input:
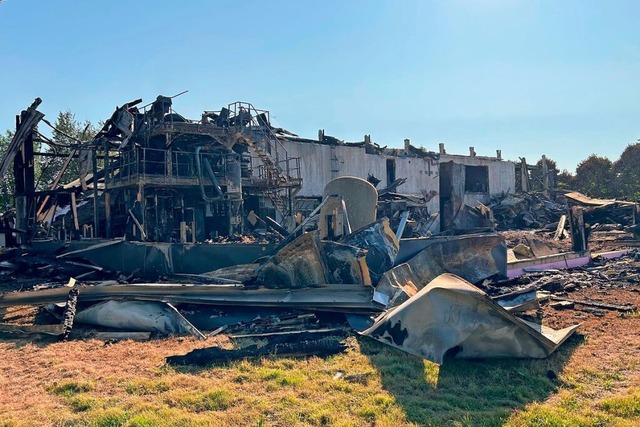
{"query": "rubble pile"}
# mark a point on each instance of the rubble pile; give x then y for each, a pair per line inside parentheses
(421, 222)
(534, 243)
(21, 265)
(600, 273)
(525, 211)
(352, 278)
(257, 236)
(156, 241)
(608, 224)
(316, 287)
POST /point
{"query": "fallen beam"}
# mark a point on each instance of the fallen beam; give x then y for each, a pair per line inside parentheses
(622, 308)
(560, 228)
(557, 261)
(55, 330)
(332, 297)
(69, 312)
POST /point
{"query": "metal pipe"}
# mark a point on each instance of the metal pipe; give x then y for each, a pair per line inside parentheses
(345, 214)
(209, 170)
(137, 223)
(211, 176)
(403, 223)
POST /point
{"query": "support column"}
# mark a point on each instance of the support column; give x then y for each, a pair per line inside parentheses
(545, 176)
(96, 219)
(24, 174)
(107, 213)
(578, 235)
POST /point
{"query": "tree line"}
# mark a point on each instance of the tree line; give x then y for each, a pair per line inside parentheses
(597, 176)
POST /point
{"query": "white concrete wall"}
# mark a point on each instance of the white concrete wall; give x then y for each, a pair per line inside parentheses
(502, 174)
(422, 173)
(315, 166)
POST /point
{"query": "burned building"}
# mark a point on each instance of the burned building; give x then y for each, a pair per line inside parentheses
(440, 183)
(184, 180)
(150, 174)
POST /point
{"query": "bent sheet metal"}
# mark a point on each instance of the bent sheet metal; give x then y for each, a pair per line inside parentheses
(139, 316)
(473, 258)
(450, 316)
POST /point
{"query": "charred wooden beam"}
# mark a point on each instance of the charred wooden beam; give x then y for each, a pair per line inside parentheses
(69, 313)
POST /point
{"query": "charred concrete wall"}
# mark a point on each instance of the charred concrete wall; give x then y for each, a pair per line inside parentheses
(500, 176)
(320, 163)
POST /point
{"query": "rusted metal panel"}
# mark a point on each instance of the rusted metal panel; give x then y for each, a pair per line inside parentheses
(581, 199)
(345, 264)
(308, 261)
(299, 264)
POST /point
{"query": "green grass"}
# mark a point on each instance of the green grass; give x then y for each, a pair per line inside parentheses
(70, 388)
(622, 406)
(377, 386)
(111, 417)
(146, 387)
(82, 403)
(212, 400)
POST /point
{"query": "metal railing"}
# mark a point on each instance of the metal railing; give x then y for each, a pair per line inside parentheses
(269, 162)
(245, 116)
(150, 162)
(289, 166)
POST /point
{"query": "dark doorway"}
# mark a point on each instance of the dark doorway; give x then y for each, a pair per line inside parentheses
(391, 171)
(476, 179)
(451, 192)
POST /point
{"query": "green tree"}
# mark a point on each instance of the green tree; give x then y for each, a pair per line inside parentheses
(627, 172)
(595, 178)
(566, 180)
(7, 183)
(63, 142)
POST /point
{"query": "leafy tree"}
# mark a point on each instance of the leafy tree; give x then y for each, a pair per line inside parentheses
(7, 183)
(71, 131)
(595, 178)
(566, 180)
(627, 172)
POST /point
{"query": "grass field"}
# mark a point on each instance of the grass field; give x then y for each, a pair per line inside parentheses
(593, 380)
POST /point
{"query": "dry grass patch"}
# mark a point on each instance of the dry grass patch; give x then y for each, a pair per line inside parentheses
(592, 380)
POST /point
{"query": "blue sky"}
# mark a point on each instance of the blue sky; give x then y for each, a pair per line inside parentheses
(557, 77)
